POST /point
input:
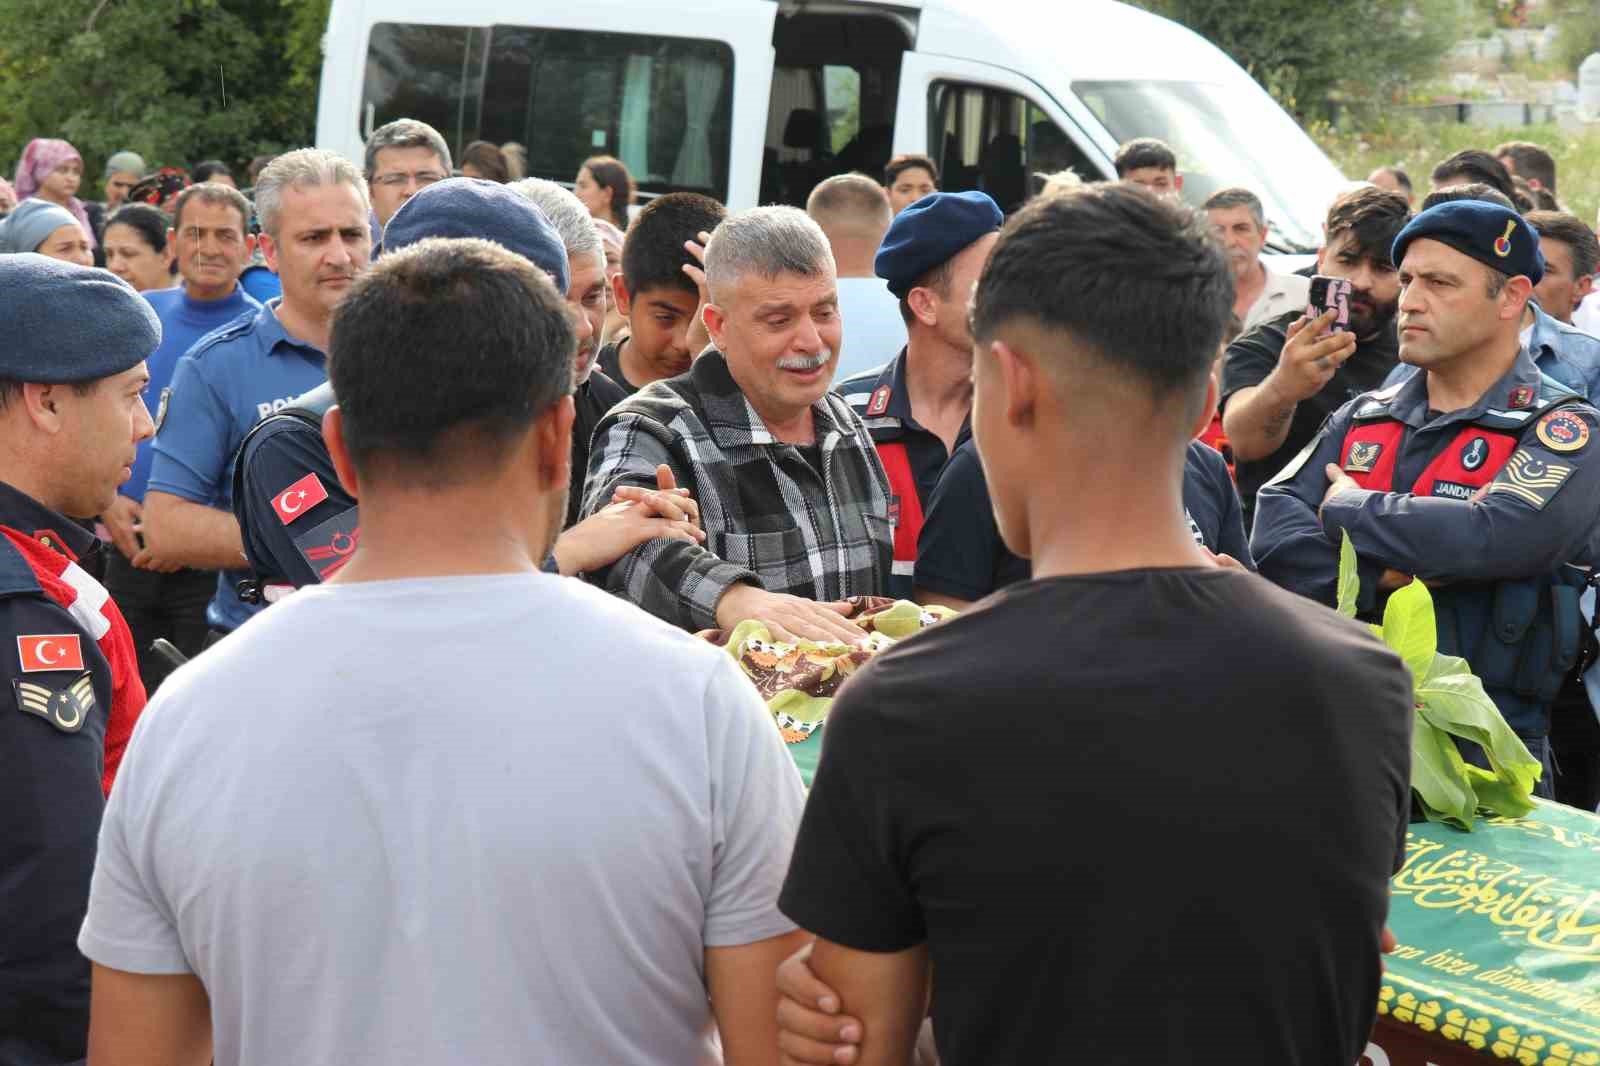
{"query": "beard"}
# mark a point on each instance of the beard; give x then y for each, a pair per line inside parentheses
(1369, 316)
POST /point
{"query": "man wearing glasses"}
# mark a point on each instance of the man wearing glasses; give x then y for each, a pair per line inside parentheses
(403, 157)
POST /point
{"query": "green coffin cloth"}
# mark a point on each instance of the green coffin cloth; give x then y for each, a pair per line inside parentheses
(1499, 936)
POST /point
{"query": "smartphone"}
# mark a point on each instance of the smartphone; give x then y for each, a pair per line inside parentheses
(1330, 294)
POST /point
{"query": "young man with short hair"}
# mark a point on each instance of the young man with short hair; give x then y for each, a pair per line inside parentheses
(909, 178)
(1151, 163)
(1571, 257)
(944, 847)
(855, 214)
(475, 872)
(1474, 164)
(1530, 162)
(659, 291)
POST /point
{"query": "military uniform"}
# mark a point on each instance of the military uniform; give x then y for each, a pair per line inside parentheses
(912, 456)
(1496, 506)
(70, 691)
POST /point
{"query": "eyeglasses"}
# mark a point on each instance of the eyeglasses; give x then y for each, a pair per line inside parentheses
(396, 181)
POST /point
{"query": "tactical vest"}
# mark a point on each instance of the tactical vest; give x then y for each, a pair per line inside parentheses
(1521, 636)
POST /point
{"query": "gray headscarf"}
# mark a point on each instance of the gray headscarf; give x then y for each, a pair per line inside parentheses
(27, 227)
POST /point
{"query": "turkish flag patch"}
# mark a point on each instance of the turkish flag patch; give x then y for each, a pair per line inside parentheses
(299, 498)
(50, 651)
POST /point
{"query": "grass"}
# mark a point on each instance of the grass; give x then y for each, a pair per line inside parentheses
(1416, 146)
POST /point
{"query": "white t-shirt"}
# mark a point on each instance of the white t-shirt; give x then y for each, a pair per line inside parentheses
(489, 820)
(874, 332)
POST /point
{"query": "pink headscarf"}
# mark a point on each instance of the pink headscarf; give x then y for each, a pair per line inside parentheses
(42, 157)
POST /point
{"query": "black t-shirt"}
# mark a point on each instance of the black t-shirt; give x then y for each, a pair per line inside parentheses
(609, 362)
(1141, 816)
(593, 400)
(960, 553)
(1254, 355)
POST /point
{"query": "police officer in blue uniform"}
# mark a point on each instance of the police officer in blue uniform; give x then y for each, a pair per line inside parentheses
(1480, 475)
(298, 523)
(71, 418)
(916, 406)
(313, 207)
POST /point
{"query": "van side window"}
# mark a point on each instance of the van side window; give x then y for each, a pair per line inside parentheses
(430, 73)
(835, 81)
(997, 141)
(663, 105)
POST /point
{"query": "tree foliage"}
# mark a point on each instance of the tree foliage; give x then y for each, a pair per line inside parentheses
(1305, 51)
(175, 80)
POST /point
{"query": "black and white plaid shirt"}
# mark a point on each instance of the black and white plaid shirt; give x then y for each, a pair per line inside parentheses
(770, 517)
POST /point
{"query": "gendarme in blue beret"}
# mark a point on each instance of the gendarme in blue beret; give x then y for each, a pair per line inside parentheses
(930, 232)
(66, 323)
(1493, 235)
(473, 207)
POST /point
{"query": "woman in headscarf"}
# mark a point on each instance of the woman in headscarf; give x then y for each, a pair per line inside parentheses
(52, 170)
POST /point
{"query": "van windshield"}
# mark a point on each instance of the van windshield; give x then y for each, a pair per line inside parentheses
(1226, 135)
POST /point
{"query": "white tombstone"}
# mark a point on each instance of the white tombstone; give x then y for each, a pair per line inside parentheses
(1589, 88)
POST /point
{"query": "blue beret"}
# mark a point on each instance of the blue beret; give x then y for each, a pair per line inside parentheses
(473, 207)
(930, 232)
(67, 323)
(1493, 235)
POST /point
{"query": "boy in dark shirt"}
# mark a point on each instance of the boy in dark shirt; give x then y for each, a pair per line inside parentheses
(659, 291)
(1057, 806)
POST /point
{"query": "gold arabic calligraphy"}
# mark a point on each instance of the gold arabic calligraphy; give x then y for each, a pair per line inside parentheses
(1545, 911)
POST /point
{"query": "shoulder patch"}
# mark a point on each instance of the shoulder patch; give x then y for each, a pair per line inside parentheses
(1563, 431)
(66, 707)
(161, 408)
(880, 401)
(1531, 479)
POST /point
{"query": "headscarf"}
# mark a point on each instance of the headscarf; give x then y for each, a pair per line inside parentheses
(42, 157)
(27, 227)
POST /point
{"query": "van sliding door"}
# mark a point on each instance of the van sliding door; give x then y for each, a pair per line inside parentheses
(681, 101)
(989, 128)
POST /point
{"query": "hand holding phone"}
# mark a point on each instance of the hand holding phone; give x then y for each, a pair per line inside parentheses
(1330, 294)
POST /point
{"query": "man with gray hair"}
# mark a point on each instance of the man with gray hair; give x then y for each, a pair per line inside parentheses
(793, 499)
(1239, 223)
(403, 156)
(313, 208)
(586, 297)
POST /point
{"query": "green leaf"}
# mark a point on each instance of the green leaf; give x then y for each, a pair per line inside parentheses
(1453, 700)
(1438, 776)
(1349, 585)
(1409, 628)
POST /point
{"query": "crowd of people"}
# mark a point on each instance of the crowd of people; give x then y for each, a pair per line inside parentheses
(399, 458)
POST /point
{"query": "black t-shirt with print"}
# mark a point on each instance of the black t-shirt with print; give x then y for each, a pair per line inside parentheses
(1146, 816)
